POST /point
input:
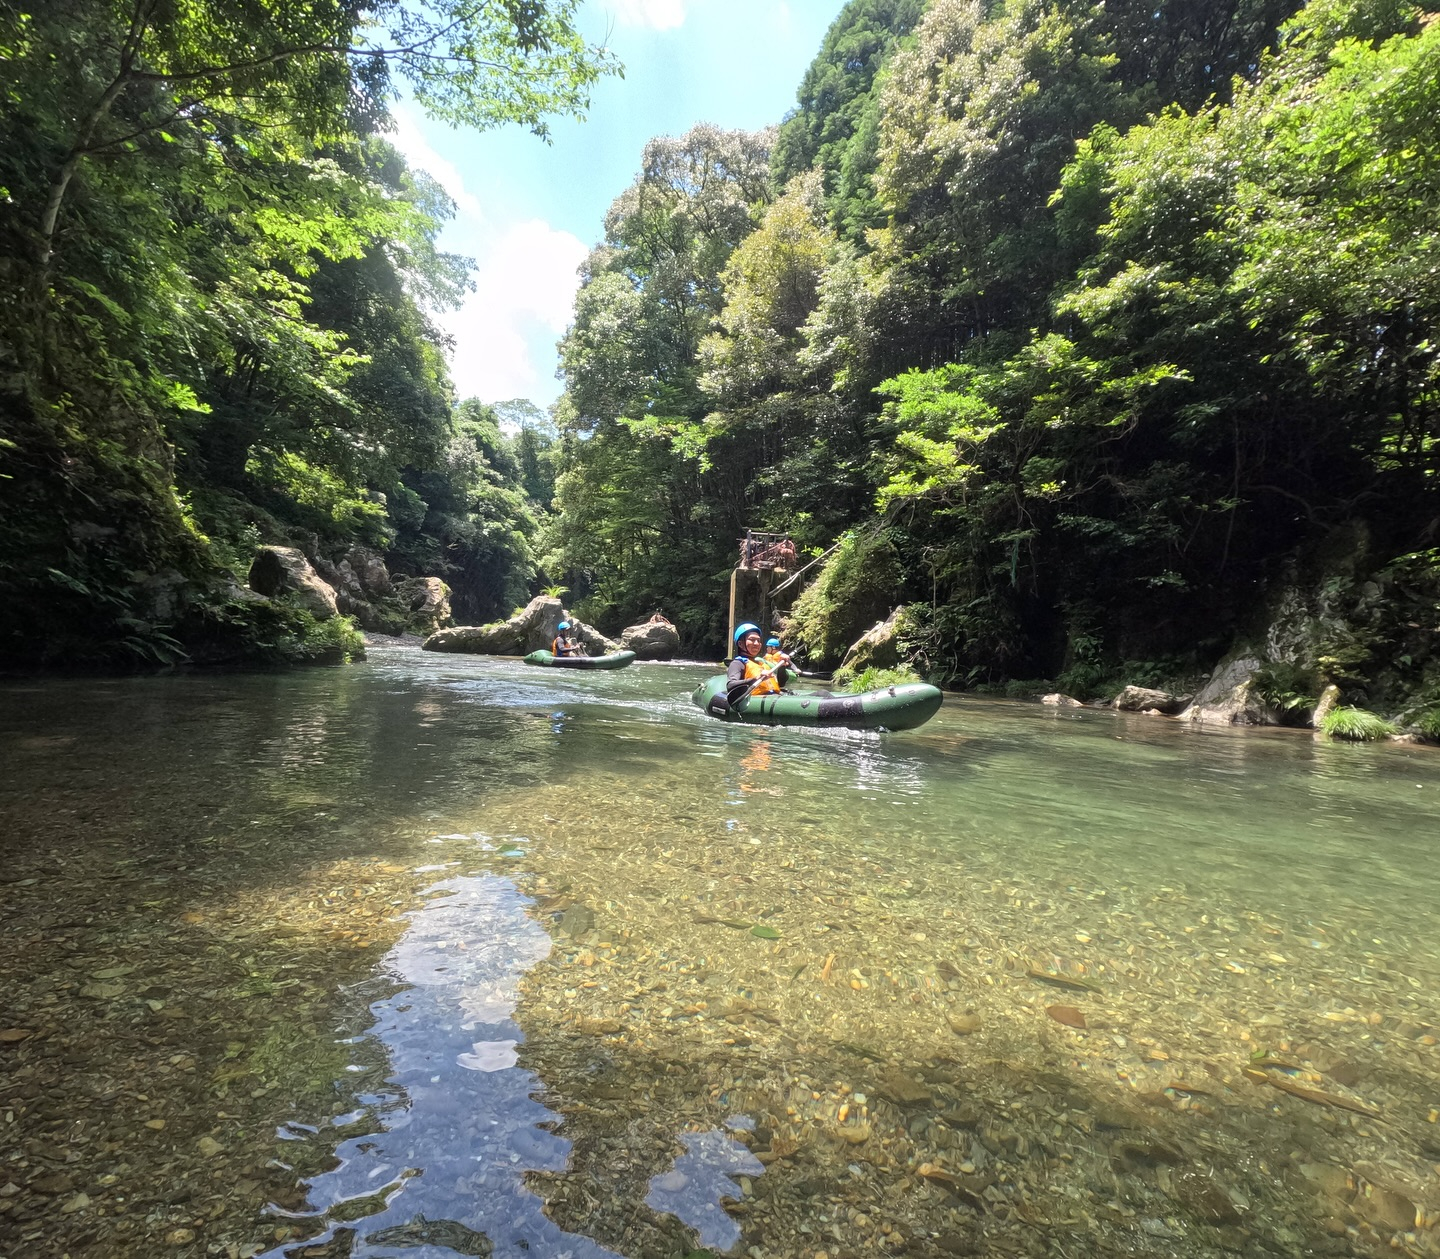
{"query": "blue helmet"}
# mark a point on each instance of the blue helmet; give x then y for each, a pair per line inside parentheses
(563, 625)
(772, 642)
(746, 628)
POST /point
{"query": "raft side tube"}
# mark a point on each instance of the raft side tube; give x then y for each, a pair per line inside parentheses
(901, 707)
(615, 660)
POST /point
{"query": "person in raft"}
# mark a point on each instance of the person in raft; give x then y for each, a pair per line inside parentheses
(566, 644)
(773, 654)
(750, 664)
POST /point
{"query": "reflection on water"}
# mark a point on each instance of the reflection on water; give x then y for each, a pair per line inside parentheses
(440, 1170)
(1021, 982)
(694, 1189)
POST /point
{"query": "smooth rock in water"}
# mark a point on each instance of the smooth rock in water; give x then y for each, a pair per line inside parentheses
(1142, 698)
(1056, 700)
(78, 1203)
(1386, 1209)
(577, 920)
(12, 1035)
(533, 628)
(655, 639)
(902, 1089)
(209, 1147)
(962, 1024)
(1205, 1199)
(1229, 698)
(595, 642)
(180, 1236)
(52, 1184)
(283, 570)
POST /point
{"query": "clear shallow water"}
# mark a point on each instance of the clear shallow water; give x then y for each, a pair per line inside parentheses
(437, 956)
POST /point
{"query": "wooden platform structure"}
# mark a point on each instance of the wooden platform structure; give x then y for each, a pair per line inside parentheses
(766, 562)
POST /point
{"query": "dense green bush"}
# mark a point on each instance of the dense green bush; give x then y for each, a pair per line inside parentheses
(1355, 725)
(875, 678)
(1428, 724)
(1289, 689)
(858, 585)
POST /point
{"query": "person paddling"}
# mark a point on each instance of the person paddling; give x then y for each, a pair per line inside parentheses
(750, 673)
(566, 644)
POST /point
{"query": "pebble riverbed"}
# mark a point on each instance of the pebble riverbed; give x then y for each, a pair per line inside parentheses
(445, 957)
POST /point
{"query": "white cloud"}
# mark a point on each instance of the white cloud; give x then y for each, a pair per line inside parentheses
(524, 294)
(411, 141)
(660, 15)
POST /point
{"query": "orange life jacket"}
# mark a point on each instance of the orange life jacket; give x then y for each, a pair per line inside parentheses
(767, 685)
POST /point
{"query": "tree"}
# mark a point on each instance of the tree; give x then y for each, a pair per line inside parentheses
(836, 125)
(210, 270)
(133, 68)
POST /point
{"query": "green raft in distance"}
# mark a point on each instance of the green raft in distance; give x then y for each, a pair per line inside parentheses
(615, 660)
(891, 708)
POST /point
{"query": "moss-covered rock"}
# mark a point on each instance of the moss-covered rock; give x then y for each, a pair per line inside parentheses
(855, 588)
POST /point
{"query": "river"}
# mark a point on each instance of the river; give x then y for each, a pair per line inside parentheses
(436, 956)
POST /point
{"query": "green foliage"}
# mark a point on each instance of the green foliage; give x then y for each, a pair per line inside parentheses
(875, 678)
(273, 633)
(214, 281)
(858, 585)
(1355, 725)
(646, 507)
(836, 127)
(1428, 724)
(1287, 688)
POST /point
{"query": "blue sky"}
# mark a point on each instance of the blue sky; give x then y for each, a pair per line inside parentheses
(528, 212)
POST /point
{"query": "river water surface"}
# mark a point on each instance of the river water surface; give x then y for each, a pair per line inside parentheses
(437, 956)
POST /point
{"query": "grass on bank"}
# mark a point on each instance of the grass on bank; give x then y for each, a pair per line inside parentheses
(1355, 725)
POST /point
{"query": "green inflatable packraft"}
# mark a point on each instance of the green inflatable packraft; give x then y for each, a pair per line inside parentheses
(615, 660)
(891, 708)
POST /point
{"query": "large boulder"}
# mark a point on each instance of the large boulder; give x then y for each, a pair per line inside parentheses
(1229, 698)
(284, 571)
(530, 629)
(362, 588)
(655, 639)
(596, 644)
(877, 647)
(1142, 699)
(365, 569)
(426, 603)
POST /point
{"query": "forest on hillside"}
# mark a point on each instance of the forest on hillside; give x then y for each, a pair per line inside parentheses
(1098, 336)
(218, 283)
